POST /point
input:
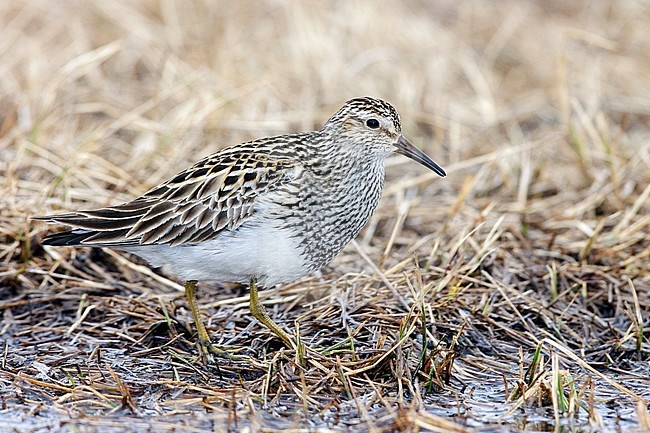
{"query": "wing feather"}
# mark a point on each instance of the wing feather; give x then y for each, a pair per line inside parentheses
(216, 194)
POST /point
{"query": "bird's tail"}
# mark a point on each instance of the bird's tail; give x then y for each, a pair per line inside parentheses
(87, 232)
(67, 238)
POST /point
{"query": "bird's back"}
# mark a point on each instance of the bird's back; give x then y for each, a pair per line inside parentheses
(217, 193)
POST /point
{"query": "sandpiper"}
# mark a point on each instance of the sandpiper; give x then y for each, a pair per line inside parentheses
(261, 213)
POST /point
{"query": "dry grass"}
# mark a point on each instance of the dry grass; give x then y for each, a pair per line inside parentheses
(516, 291)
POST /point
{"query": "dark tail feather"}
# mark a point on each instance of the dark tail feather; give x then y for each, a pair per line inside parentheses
(89, 238)
(69, 238)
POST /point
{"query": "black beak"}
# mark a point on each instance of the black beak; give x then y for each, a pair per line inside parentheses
(404, 147)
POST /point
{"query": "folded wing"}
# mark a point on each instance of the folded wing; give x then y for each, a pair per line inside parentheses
(216, 194)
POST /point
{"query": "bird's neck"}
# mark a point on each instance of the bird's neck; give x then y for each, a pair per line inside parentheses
(339, 155)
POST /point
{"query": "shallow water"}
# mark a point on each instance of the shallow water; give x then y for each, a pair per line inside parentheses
(475, 399)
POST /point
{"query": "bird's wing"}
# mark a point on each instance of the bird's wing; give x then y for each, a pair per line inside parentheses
(218, 193)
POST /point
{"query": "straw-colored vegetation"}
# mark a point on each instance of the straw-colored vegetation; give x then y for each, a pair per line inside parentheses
(516, 291)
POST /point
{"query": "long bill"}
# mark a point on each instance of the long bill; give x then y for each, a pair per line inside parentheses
(406, 148)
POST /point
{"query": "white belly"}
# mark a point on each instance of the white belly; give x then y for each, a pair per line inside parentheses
(269, 254)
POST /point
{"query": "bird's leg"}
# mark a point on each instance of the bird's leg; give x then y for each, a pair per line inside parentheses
(259, 312)
(204, 339)
(190, 296)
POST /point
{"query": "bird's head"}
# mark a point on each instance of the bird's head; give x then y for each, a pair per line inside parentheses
(374, 126)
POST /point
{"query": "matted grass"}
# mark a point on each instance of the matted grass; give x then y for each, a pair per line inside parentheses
(512, 295)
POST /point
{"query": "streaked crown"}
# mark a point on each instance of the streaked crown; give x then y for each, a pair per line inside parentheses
(365, 108)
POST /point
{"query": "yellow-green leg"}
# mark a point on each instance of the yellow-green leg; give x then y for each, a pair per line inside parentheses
(204, 339)
(190, 296)
(259, 312)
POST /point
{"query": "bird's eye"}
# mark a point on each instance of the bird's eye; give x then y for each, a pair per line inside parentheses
(372, 123)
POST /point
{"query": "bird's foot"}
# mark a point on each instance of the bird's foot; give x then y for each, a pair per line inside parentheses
(210, 352)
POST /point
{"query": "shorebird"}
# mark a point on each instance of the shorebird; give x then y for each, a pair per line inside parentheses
(260, 213)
